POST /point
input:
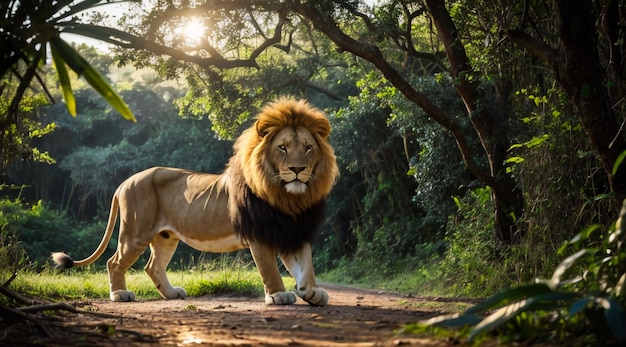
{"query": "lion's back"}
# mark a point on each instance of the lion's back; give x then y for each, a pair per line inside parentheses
(157, 185)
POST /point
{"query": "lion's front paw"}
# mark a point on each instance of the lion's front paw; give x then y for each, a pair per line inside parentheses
(280, 298)
(174, 293)
(317, 297)
(122, 295)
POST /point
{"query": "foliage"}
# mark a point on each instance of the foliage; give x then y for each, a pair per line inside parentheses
(584, 297)
(17, 136)
(41, 230)
(12, 254)
(397, 211)
(231, 98)
(470, 266)
(28, 28)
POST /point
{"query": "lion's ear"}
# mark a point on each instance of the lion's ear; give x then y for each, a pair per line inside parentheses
(262, 128)
(323, 129)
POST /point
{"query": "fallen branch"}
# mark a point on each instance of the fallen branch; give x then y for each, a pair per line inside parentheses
(63, 306)
(15, 315)
(4, 289)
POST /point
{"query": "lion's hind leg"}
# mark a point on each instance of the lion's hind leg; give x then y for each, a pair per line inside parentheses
(128, 251)
(117, 266)
(162, 249)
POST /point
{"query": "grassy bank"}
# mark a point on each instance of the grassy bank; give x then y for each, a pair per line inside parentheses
(79, 284)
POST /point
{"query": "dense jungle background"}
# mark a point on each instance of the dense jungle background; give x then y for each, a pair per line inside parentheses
(475, 137)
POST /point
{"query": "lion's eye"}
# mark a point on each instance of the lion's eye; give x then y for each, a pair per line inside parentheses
(282, 148)
(308, 148)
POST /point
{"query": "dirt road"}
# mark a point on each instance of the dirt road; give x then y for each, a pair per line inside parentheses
(354, 317)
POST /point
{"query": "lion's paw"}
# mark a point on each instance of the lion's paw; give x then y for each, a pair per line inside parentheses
(176, 293)
(122, 295)
(318, 296)
(280, 298)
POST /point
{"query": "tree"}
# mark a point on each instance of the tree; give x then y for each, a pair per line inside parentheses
(273, 25)
(586, 59)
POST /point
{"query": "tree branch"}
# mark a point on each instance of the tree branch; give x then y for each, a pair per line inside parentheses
(372, 54)
(125, 40)
(536, 47)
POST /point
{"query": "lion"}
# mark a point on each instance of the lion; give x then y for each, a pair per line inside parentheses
(270, 198)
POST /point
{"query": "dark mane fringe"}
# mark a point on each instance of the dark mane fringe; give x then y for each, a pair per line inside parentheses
(255, 220)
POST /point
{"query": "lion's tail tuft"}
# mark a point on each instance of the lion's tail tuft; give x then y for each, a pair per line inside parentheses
(62, 260)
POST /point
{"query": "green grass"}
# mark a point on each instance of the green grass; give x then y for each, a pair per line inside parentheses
(422, 280)
(81, 284)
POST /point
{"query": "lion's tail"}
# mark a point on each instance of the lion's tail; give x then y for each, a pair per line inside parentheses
(63, 260)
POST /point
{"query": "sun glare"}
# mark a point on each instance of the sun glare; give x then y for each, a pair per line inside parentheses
(193, 31)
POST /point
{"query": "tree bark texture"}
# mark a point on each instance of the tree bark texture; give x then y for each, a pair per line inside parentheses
(491, 126)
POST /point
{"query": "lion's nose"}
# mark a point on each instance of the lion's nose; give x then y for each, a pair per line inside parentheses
(297, 169)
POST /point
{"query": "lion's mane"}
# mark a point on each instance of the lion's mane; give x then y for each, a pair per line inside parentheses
(260, 209)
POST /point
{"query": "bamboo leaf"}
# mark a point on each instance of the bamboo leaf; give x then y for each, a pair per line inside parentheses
(545, 302)
(615, 317)
(509, 295)
(580, 306)
(453, 320)
(563, 267)
(100, 84)
(100, 33)
(77, 63)
(620, 287)
(618, 162)
(64, 80)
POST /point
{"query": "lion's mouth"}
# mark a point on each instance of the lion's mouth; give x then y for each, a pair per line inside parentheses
(296, 187)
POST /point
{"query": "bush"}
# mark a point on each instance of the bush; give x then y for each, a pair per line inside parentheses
(583, 303)
(40, 230)
(470, 265)
(12, 253)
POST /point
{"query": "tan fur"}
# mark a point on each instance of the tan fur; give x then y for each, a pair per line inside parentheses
(286, 161)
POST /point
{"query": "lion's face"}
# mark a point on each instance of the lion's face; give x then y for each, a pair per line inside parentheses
(294, 153)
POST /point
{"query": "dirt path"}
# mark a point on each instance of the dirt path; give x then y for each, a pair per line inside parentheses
(354, 317)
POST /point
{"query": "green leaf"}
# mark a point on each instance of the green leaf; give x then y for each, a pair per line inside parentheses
(580, 305)
(453, 320)
(536, 141)
(514, 160)
(563, 267)
(581, 236)
(77, 63)
(100, 84)
(545, 302)
(620, 287)
(64, 80)
(618, 162)
(68, 54)
(615, 317)
(508, 296)
(101, 33)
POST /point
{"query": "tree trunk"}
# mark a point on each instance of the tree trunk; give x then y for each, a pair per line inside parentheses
(577, 68)
(582, 79)
(491, 126)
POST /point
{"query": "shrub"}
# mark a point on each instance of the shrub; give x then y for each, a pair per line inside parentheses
(583, 302)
